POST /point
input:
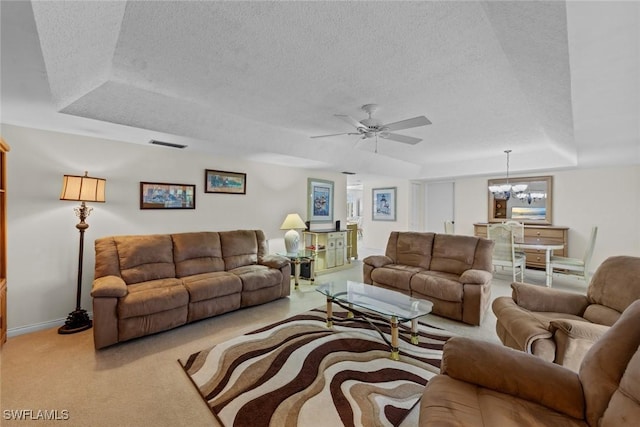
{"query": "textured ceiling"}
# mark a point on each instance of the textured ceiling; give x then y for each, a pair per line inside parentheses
(257, 79)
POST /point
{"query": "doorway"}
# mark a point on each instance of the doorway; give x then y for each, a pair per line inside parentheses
(439, 205)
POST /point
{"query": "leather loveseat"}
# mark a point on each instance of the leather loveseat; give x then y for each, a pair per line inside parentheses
(454, 272)
(150, 283)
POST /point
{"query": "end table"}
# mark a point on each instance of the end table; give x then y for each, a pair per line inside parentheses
(302, 257)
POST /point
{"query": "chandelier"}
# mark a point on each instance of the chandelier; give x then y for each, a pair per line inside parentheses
(505, 191)
(531, 196)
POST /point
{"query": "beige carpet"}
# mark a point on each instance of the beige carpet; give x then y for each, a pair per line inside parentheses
(139, 383)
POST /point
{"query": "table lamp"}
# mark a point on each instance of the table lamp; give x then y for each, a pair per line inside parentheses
(81, 189)
(292, 222)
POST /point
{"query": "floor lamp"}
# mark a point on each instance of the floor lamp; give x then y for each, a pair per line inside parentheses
(80, 189)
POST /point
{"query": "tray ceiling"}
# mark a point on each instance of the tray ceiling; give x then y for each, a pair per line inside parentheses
(551, 81)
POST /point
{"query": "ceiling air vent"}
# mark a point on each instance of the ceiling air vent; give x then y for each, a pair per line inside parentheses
(167, 144)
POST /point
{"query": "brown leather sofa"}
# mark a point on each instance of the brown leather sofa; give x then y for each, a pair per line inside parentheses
(486, 384)
(561, 326)
(452, 271)
(150, 283)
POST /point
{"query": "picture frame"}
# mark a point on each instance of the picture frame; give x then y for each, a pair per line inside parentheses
(224, 182)
(160, 195)
(320, 200)
(383, 204)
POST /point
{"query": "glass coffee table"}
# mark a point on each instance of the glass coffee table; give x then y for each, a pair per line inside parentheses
(362, 298)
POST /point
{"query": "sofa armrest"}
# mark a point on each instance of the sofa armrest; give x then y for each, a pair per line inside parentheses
(538, 298)
(522, 325)
(515, 373)
(573, 339)
(578, 329)
(109, 287)
(274, 261)
(377, 261)
(475, 277)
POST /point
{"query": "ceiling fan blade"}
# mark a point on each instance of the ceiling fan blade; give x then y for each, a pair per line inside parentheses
(334, 134)
(406, 124)
(400, 138)
(361, 142)
(353, 122)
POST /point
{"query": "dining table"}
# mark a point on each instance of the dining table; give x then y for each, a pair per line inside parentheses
(548, 248)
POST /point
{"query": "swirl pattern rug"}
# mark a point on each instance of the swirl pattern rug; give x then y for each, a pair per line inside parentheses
(298, 372)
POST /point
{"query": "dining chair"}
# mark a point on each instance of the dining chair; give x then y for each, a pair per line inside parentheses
(518, 230)
(448, 227)
(518, 233)
(504, 254)
(575, 267)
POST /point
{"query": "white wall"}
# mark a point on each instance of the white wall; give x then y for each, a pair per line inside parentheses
(606, 197)
(376, 233)
(43, 240)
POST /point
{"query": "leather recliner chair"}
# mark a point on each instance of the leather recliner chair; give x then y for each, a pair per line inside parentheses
(561, 326)
(486, 384)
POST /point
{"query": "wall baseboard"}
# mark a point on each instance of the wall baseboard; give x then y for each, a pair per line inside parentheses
(56, 323)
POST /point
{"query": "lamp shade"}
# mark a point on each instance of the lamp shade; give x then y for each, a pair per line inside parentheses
(83, 188)
(293, 222)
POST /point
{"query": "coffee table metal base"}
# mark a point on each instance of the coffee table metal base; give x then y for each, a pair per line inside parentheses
(393, 321)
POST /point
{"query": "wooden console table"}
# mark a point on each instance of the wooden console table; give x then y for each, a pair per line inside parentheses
(329, 249)
(545, 235)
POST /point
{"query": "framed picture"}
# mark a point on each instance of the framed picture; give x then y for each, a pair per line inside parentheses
(225, 182)
(384, 204)
(158, 195)
(320, 203)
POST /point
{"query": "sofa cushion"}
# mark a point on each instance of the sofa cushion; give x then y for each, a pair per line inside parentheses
(452, 402)
(617, 285)
(257, 277)
(212, 285)
(624, 404)
(410, 248)
(443, 286)
(239, 248)
(106, 262)
(145, 258)
(600, 314)
(395, 276)
(453, 253)
(152, 297)
(139, 326)
(196, 253)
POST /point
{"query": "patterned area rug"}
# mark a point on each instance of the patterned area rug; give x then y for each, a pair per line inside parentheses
(298, 372)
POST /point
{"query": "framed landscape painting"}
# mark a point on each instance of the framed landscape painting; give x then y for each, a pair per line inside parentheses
(225, 182)
(159, 195)
(320, 203)
(384, 204)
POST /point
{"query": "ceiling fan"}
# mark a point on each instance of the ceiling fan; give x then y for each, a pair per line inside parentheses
(370, 127)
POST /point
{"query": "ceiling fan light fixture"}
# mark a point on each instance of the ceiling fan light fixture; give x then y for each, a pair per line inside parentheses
(371, 123)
